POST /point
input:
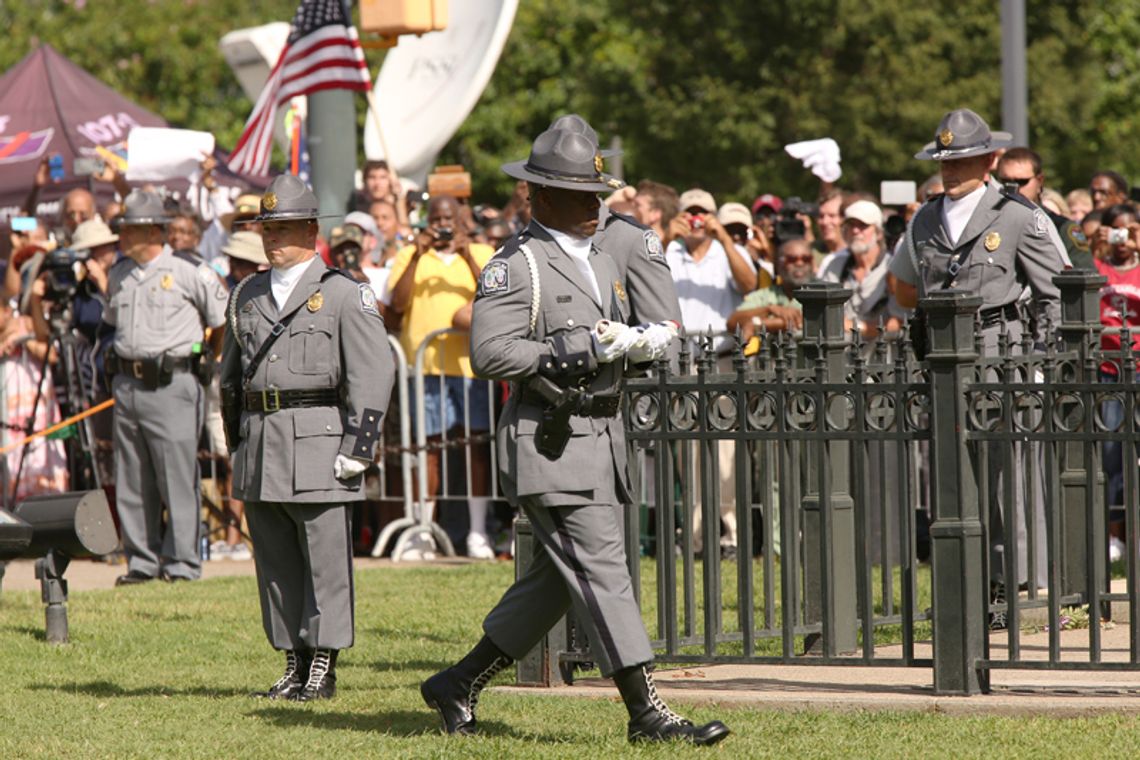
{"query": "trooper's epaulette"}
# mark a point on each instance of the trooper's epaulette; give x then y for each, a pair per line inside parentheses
(190, 257)
(1019, 198)
(615, 216)
(331, 271)
(367, 434)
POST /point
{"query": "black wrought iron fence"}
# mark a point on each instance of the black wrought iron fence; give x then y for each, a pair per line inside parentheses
(834, 453)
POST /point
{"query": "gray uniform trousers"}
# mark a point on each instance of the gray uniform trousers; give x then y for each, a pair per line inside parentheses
(580, 563)
(306, 603)
(156, 462)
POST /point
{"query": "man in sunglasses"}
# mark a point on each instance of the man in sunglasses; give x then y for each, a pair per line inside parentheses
(1021, 168)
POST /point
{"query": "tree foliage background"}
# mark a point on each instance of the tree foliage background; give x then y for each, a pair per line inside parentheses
(699, 93)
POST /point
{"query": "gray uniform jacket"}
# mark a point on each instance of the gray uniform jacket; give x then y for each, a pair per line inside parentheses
(336, 340)
(160, 308)
(592, 469)
(641, 265)
(1012, 245)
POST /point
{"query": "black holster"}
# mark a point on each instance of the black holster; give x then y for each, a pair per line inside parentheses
(231, 415)
(553, 431)
(202, 365)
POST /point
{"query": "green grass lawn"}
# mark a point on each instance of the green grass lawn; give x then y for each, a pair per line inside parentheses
(164, 671)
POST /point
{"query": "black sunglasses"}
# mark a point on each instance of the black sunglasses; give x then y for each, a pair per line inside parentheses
(1019, 182)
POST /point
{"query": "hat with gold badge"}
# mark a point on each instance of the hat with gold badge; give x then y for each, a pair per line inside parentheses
(564, 159)
(961, 134)
(289, 199)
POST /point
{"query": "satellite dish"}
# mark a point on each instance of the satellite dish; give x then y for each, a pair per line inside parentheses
(428, 85)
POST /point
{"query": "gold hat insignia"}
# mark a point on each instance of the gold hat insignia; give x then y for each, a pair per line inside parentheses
(598, 163)
(945, 137)
(167, 282)
(269, 200)
(992, 241)
(619, 289)
(315, 302)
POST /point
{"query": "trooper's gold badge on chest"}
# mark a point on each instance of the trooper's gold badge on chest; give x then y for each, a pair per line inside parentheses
(619, 290)
(167, 282)
(992, 241)
(315, 302)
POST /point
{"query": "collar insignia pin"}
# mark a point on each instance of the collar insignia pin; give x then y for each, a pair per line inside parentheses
(619, 289)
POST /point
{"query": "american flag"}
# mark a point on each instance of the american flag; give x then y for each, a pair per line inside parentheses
(322, 53)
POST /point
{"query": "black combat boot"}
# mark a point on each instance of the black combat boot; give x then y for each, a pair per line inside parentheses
(650, 720)
(321, 683)
(455, 692)
(296, 673)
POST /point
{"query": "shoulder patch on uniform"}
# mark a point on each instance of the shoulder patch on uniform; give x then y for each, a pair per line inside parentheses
(207, 275)
(188, 256)
(367, 300)
(653, 248)
(495, 278)
(1078, 236)
(1040, 221)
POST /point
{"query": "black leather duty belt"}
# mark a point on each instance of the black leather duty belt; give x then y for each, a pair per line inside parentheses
(149, 371)
(272, 399)
(589, 405)
(999, 314)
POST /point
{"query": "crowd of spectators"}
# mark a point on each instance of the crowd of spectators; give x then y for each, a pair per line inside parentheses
(736, 264)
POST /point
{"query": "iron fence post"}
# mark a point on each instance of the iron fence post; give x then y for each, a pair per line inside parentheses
(828, 507)
(1080, 334)
(958, 549)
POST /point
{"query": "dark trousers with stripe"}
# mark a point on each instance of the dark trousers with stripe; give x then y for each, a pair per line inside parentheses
(581, 562)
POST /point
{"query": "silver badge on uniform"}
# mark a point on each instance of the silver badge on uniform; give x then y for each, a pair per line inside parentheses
(653, 247)
(367, 300)
(494, 278)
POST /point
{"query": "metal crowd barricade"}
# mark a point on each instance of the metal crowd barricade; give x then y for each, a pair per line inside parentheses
(409, 521)
(425, 524)
(827, 440)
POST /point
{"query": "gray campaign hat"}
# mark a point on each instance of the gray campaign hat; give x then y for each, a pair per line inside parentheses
(143, 207)
(287, 199)
(572, 122)
(961, 134)
(564, 159)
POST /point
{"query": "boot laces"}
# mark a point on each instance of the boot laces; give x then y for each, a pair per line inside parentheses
(292, 670)
(482, 680)
(318, 668)
(659, 705)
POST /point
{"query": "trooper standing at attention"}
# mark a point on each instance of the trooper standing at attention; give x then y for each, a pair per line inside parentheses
(306, 376)
(550, 316)
(989, 243)
(159, 301)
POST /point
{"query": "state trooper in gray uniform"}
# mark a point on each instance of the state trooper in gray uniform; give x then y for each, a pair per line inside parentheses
(306, 376)
(550, 316)
(159, 302)
(1004, 244)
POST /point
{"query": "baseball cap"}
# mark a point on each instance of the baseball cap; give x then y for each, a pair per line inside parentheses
(348, 233)
(245, 207)
(767, 200)
(734, 213)
(697, 198)
(866, 212)
(247, 246)
(363, 221)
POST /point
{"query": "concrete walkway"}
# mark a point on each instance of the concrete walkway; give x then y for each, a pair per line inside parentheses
(799, 687)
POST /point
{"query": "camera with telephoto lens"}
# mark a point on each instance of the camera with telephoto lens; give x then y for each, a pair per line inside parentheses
(62, 267)
(444, 234)
(1117, 236)
(788, 226)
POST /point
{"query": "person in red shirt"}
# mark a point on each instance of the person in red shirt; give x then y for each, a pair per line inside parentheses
(1119, 261)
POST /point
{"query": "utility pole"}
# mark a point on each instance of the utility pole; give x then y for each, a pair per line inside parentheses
(1014, 97)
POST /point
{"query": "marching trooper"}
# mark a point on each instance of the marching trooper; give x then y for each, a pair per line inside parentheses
(550, 316)
(160, 302)
(306, 377)
(980, 239)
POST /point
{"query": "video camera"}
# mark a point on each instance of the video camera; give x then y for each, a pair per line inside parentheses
(62, 268)
(788, 226)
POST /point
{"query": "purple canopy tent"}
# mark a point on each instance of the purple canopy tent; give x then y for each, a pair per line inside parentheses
(49, 105)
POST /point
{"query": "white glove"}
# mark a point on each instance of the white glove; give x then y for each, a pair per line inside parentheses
(613, 339)
(347, 468)
(654, 342)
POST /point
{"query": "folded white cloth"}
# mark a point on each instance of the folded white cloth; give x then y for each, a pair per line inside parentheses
(346, 468)
(821, 156)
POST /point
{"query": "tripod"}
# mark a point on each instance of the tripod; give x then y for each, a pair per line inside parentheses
(82, 473)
